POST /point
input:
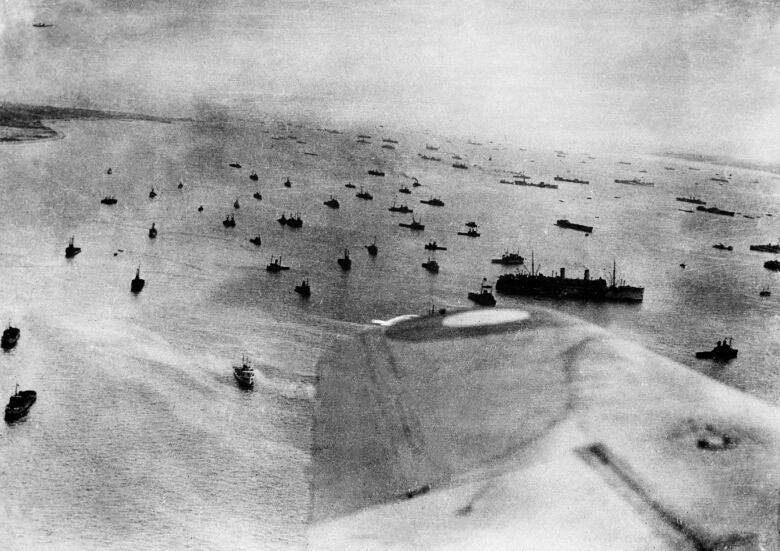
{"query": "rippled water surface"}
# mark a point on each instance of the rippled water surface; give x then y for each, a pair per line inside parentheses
(141, 439)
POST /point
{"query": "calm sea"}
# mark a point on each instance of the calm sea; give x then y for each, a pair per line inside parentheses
(141, 439)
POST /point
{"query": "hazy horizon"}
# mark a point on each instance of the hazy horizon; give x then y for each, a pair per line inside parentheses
(694, 76)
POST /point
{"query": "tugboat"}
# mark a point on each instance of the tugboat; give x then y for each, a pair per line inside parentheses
(433, 246)
(431, 265)
(244, 373)
(10, 337)
(295, 222)
(364, 195)
(345, 262)
(236, 205)
(332, 203)
(137, 284)
(152, 232)
(563, 223)
(108, 200)
(152, 194)
(229, 221)
(765, 292)
(722, 351)
(256, 241)
(508, 259)
(276, 265)
(287, 183)
(253, 176)
(485, 296)
(723, 247)
(71, 250)
(303, 289)
(372, 248)
(434, 201)
(413, 225)
(257, 196)
(404, 189)
(19, 404)
(470, 233)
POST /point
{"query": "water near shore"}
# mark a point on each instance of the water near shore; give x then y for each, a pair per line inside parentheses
(141, 439)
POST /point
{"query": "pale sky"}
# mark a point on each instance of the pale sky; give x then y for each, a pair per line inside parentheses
(695, 75)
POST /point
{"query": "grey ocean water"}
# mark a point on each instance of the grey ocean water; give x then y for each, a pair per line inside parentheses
(141, 439)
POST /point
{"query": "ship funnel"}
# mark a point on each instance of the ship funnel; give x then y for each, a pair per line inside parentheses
(563, 273)
(587, 274)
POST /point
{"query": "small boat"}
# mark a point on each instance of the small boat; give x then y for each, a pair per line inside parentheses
(485, 296)
(400, 208)
(253, 176)
(571, 180)
(691, 199)
(462, 166)
(181, 185)
(276, 265)
(109, 171)
(413, 225)
(434, 201)
(287, 183)
(257, 196)
(236, 204)
(282, 219)
(137, 284)
(415, 182)
(256, 241)
(431, 265)
(10, 337)
(433, 246)
(719, 179)
(404, 189)
(470, 233)
(765, 292)
(229, 221)
(235, 165)
(303, 289)
(431, 147)
(372, 248)
(772, 265)
(723, 247)
(71, 250)
(722, 351)
(508, 259)
(244, 373)
(635, 182)
(152, 232)
(362, 194)
(332, 202)
(152, 194)
(350, 185)
(19, 404)
(108, 200)
(345, 262)
(471, 224)
(374, 172)
(200, 208)
(295, 222)
(388, 146)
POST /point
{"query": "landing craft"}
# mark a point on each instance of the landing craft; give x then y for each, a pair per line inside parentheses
(529, 429)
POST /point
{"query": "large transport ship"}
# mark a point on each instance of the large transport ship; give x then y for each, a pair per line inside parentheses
(559, 286)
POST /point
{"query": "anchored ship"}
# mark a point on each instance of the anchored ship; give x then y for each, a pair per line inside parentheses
(559, 286)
